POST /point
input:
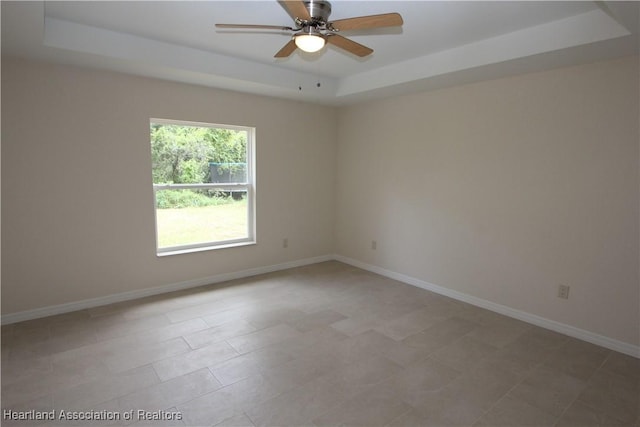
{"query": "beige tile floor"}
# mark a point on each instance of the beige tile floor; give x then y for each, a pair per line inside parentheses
(321, 345)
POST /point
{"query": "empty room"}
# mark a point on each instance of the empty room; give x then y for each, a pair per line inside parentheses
(314, 213)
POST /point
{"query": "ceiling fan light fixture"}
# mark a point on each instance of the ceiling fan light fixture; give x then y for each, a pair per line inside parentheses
(309, 42)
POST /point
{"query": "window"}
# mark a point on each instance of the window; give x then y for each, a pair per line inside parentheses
(203, 185)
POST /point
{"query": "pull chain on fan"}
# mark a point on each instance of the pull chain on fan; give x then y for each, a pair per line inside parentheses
(313, 29)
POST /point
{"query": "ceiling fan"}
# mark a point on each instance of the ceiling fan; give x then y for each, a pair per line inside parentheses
(313, 29)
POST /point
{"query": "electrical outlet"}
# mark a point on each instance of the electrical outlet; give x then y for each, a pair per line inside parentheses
(285, 242)
(563, 291)
(374, 245)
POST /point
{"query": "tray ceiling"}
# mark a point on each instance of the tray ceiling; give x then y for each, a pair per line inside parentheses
(440, 43)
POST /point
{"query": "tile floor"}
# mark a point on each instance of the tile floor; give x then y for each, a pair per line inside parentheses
(321, 345)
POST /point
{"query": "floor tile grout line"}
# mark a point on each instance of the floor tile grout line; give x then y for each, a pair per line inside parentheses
(587, 381)
(539, 364)
(577, 398)
(400, 416)
(160, 382)
(504, 396)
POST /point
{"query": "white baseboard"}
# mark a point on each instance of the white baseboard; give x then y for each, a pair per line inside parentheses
(601, 340)
(172, 287)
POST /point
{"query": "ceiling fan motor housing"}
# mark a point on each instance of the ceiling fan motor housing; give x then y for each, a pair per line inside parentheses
(319, 10)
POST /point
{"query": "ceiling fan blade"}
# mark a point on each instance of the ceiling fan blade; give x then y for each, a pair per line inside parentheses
(255, 27)
(349, 45)
(296, 9)
(371, 21)
(287, 50)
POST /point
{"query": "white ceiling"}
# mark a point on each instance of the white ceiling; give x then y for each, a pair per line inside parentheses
(441, 42)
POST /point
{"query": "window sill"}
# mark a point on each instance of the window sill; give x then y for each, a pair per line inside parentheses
(205, 248)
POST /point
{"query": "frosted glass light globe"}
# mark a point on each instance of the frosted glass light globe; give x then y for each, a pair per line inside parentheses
(309, 43)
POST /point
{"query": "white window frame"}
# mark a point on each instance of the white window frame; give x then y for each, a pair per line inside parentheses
(248, 186)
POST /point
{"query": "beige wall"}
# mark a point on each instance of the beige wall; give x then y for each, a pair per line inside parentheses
(504, 189)
(501, 189)
(77, 205)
